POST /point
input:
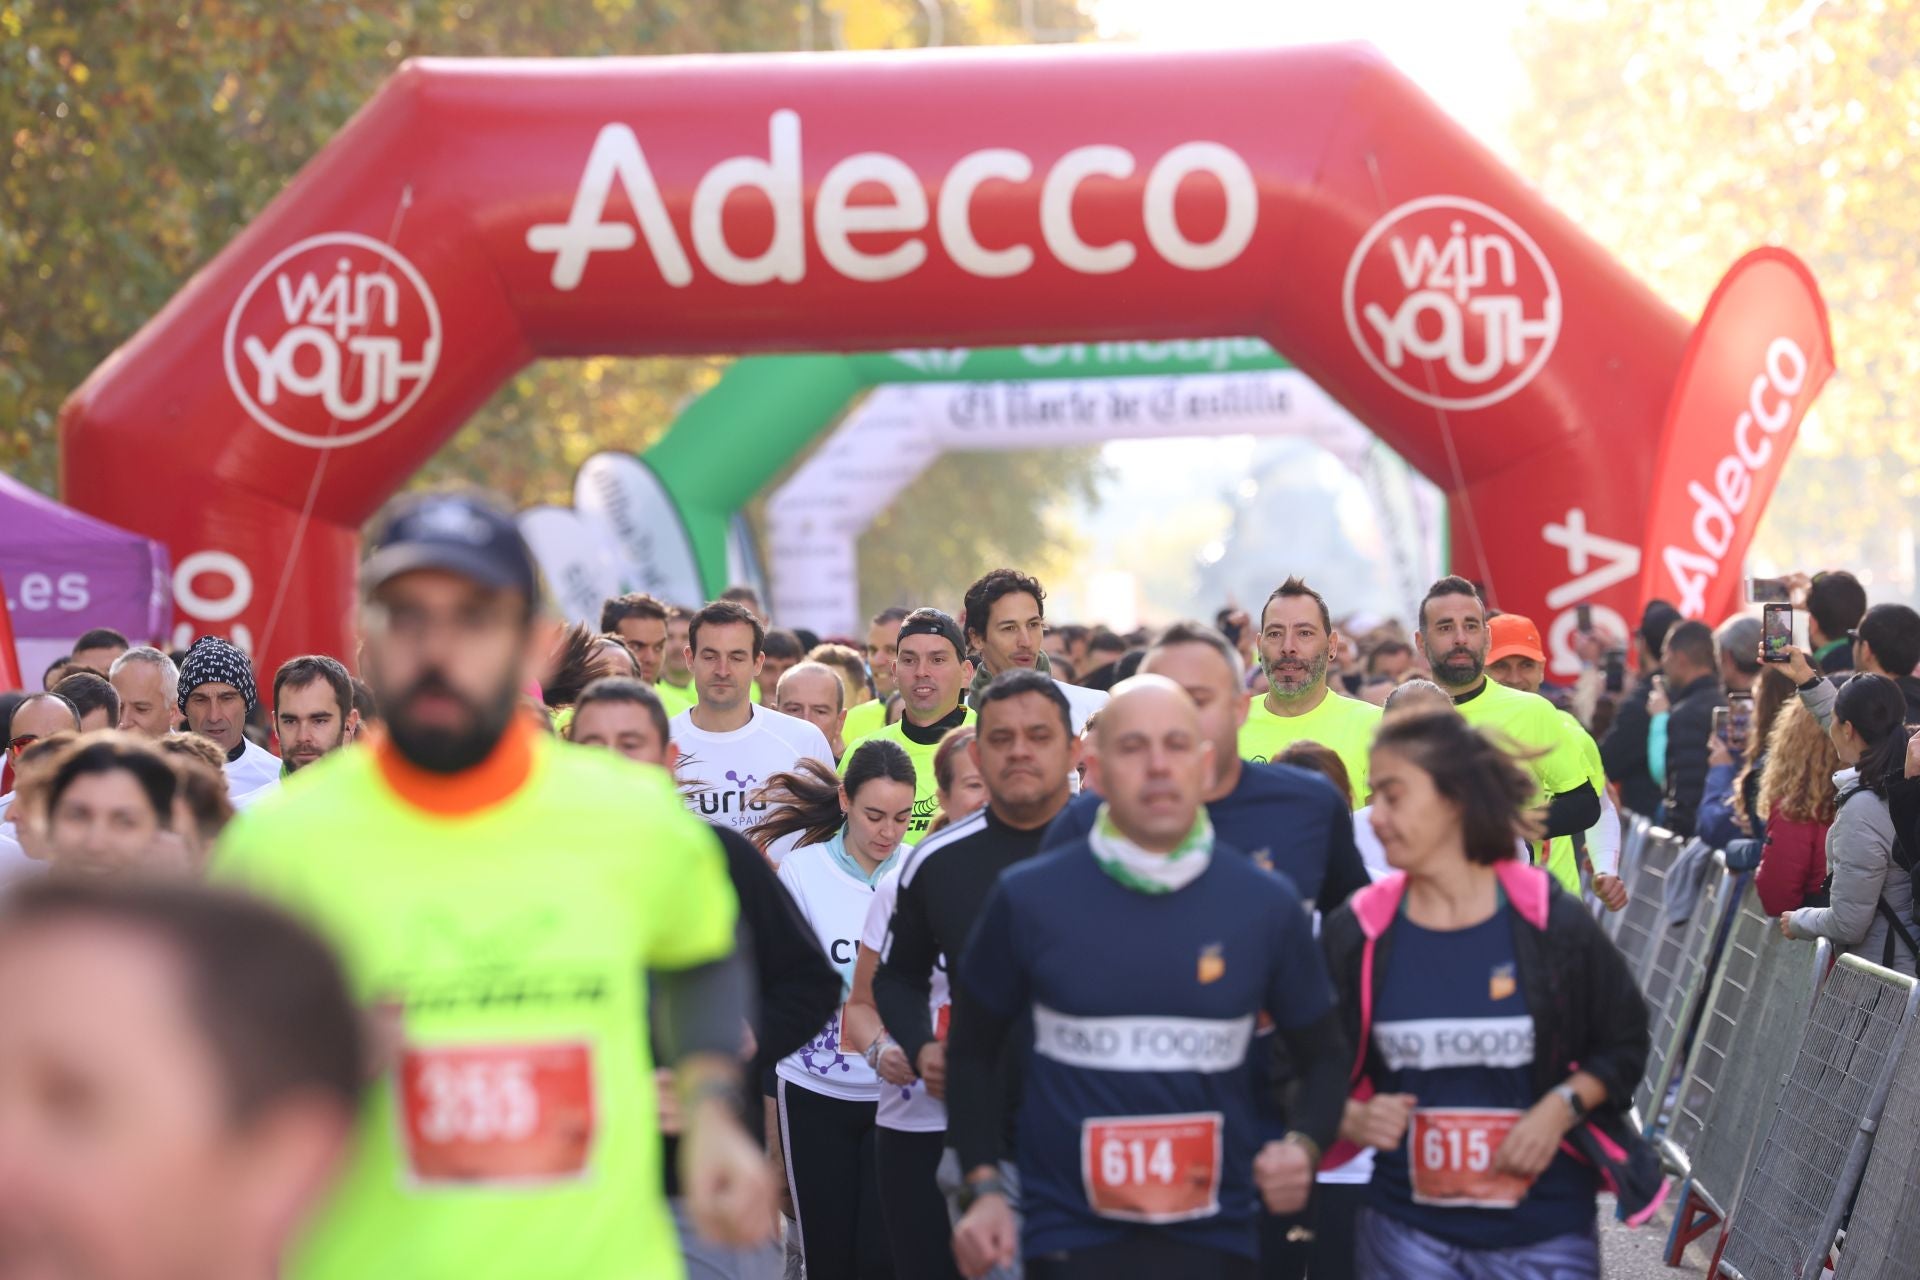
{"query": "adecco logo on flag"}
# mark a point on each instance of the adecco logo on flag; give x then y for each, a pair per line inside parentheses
(1452, 303)
(332, 341)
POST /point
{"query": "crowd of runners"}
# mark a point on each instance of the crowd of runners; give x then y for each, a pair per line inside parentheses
(975, 945)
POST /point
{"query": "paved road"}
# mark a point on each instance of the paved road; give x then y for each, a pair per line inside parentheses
(1633, 1253)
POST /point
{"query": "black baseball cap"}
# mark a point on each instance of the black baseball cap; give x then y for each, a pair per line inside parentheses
(464, 533)
(935, 622)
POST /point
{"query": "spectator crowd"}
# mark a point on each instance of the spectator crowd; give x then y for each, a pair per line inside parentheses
(509, 820)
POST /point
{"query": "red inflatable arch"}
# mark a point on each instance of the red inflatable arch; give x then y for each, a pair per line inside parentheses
(478, 214)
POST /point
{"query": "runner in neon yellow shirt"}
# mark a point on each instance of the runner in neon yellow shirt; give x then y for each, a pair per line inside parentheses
(1296, 637)
(499, 898)
(1517, 659)
(933, 672)
(883, 647)
(675, 685)
(1453, 634)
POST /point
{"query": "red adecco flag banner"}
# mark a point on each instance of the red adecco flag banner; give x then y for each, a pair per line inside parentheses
(9, 655)
(1753, 366)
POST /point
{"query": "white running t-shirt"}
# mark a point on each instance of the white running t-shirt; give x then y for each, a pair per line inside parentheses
(911, 1109)
(835, 903)
(728, 770)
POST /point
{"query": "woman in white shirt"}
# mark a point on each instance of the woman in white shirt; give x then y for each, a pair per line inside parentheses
(849, 829)
(912, 1120)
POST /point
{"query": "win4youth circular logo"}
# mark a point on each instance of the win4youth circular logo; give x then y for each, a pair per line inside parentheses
(332, 341)
(1451, 302)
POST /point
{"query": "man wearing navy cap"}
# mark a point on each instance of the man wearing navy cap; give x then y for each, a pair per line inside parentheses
(500, 897)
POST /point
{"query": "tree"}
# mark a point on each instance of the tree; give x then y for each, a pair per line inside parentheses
(970, 512)
(145, 135)
(1684, 133)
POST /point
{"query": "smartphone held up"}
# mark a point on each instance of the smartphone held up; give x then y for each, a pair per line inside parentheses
(1776, 632)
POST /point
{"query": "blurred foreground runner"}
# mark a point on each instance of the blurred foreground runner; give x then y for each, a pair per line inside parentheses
(503, 896)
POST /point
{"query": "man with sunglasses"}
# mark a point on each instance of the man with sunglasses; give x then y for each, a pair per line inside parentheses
(37, 716)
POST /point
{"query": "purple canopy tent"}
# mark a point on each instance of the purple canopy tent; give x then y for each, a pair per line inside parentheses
(65, 572)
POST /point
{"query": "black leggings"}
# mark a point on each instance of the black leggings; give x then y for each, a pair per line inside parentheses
(910, 1201)
(836, 1196)
(1143, 1255)
(1329, 1255)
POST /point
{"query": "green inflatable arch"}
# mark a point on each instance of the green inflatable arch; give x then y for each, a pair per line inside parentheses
(726, 446)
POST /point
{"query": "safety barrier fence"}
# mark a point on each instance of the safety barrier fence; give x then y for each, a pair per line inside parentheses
(1756, 1007)
(1675, 981)
(1805, 1171)
(1783, 1087)
(1637, 928)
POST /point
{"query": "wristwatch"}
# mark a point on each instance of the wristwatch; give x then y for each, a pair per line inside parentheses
(1571, 1096)
(1306, 1144)
(971, 1192)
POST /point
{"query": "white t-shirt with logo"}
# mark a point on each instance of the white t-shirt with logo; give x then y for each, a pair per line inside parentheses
(910, 1109)
(835, 903)
(728, 770)
(255, 768)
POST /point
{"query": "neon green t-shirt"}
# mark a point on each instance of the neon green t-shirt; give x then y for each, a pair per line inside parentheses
(926, 788)
(863, 718)
(675, 698)
(1534, 725)
(1563, 859)
(516, 1133)
(1344, 724)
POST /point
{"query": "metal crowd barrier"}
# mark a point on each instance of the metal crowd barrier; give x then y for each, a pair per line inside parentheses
(1883, 1235)
(1637, 927)
(1757, 1008)
(1674, 984)
(1633, 843)
(1803, 1176)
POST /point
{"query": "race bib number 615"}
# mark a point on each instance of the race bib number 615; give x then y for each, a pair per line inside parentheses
(1450, 1153)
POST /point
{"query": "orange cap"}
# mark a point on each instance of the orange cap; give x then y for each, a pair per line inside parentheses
(1509, 634)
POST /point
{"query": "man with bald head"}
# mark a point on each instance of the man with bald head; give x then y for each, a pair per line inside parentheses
(1285, 818)
(1143, 953)
(812, 691)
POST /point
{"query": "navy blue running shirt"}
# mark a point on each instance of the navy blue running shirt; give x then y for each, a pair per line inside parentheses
(1282, 816)
(1143, 1005)
(1452, 1027)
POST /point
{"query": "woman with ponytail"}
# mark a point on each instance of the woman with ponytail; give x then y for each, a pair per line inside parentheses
(850, 828)
(1869, 878)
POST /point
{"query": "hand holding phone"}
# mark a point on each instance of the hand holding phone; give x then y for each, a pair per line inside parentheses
(1616, 668)
(1721, 720)
(1739, 721)
(1776, 632)
(1798, 666)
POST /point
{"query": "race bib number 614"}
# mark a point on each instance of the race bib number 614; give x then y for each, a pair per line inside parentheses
(1152, 1168)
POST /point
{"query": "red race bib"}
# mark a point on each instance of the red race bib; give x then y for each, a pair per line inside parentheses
(1450, 1153)
(1152, 1168)
(497, 1113)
